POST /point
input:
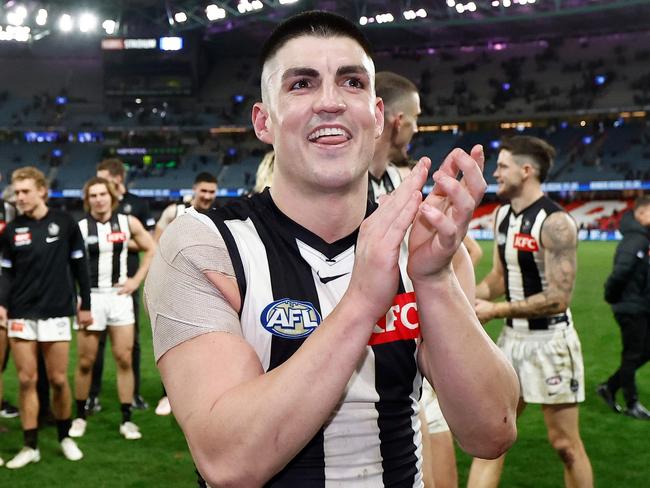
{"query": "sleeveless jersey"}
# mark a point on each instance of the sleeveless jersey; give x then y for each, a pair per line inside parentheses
(522, 257)
(181, 208)
(290, 280)
(390, 180)
(107, 249)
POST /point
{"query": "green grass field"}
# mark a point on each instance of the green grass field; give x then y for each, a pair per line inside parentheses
(619, 446)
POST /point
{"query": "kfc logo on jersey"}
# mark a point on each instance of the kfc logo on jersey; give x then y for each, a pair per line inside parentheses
(116, 237)
(526, 243)
(290, 319)
(23, 239)
(401, 323)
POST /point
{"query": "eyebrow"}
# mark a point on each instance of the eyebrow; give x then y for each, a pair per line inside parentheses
(352, 69)
(293, 72)
(312, 73)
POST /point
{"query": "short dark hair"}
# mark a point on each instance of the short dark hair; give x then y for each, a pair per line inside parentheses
(313, 23)
(114, 166)
(205, 177)
(540, 151)
(642, 201)
(391, 86)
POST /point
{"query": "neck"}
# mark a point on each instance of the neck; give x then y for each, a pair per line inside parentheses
(100, 216)
(38, 212)
(380, 158)
(527, 195)
(330, 215)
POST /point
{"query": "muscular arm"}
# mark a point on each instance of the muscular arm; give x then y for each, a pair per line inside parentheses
(559, 241)
(476, 386)
(145, 244)
(165, 219)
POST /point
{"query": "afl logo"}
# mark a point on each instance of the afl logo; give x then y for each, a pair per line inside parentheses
(291, 319)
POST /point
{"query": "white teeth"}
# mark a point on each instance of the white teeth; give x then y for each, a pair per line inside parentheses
(327, 131)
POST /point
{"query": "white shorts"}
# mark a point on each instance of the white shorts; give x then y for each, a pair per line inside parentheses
(429, 402)
(56, 329)
(109, 309)
(548, 363)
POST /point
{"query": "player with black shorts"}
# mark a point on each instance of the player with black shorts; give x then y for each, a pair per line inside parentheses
(42, 251)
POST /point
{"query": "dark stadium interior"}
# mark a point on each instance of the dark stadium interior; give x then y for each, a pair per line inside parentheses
(167, 86)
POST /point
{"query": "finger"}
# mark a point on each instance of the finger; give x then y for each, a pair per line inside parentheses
(400, 225)
(392, 207)
(444, 227)
(478, 155)
(472, 172)
(382, 199)
(457, 203)
(449, 166)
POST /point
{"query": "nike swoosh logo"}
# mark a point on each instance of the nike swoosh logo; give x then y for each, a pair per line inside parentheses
(51, 239)
(326, 279)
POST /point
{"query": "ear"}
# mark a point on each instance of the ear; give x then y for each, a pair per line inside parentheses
(262, 123)
(379, 117)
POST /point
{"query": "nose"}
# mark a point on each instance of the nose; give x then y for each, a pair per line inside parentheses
(329, 99)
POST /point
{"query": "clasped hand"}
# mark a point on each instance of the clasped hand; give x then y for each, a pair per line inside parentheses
(437, 227)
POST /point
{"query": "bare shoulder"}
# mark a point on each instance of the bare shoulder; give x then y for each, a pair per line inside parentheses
(559, 232)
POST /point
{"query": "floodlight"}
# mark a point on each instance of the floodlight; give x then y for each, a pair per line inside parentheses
(41, 17)
(471, 6)
(421, 13)
(180, 17)
(286, 2)
(109, 26)
(66, 23)
(87, 22)
(214, 12)
(460, 8)
(451, 3)
(17, 15)
(363, 20)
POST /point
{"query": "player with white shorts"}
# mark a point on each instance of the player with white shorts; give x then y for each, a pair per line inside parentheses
(106, 236)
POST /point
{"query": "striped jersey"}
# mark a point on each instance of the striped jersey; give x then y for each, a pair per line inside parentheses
(107, 249)
(522, 257)
(290, 280)
(390, 180)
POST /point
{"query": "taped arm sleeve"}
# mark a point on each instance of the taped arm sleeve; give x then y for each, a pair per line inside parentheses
(181, 301)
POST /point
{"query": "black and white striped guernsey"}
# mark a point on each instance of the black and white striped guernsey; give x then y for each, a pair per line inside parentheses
(290, 280)
(390, 180)
(107, 248)
(522, 257)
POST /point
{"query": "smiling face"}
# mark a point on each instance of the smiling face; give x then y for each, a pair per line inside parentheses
(99, 198)
(509, 175)
(204, 195)
(319, 112)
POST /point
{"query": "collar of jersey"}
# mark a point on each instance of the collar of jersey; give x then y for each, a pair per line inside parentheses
(293, 230)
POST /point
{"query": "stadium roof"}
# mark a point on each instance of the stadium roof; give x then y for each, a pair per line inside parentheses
(242, 24)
